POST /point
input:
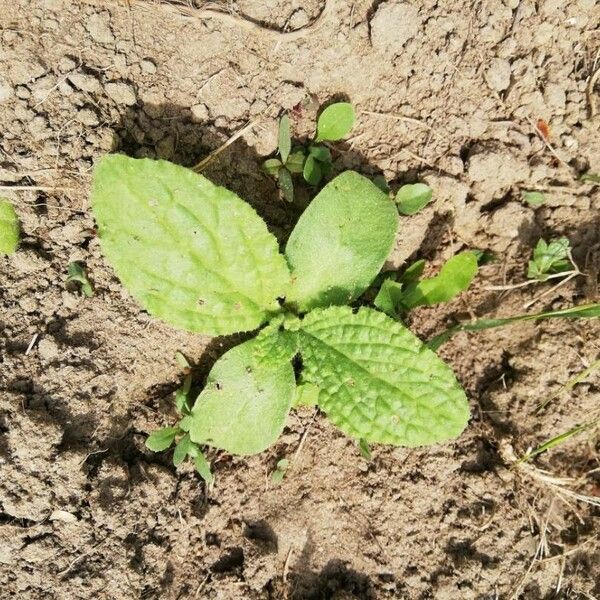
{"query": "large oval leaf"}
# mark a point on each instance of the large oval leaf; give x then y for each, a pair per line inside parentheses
(340, 242)
(378, 381)
(192, 253)
(245, 402)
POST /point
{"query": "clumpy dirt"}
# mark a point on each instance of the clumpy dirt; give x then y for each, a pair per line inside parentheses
(448, 92)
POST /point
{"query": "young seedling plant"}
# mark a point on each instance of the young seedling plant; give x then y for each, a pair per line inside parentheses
(198, 257)
(312, 160)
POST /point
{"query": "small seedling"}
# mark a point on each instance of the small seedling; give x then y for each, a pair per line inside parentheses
(163, 438)
(534, 199)
(412, 198)
(77, 273)
(314, 160)
(550, 259)
(279, 473)
(10, 232)
(365, 450)
(200, 258)
(397, 297)
(590, 177)
(557, 440)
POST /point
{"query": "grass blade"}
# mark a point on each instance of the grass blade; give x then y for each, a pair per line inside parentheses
(574, 312)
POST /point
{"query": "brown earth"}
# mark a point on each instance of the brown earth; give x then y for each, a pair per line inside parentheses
(447, 91)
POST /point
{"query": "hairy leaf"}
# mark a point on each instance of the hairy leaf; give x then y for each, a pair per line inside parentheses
(389, 296)
(284, 178)
(534, 199)
(377, 381)
(549, 258)
(182, 449)
(77, 273)
(245, 402)
(411, 198)
(335, 122)
(285, 141)
(271, 166)
(320, 153)
(203, 467)
(307, 394)
(295, 162)
(161, 439)
(275, 344)
(192, 253)
(454, 277)
(10, 233)
(312, 171)
(340, 242)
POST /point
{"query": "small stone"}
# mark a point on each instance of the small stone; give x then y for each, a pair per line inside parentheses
(121, 93)
(47, 349)
(498, 74)
(24, 72)
(497, 169)
(509, 220)
(299, 19)
(393, 25)
(199, 112)
(6, 90)
(148, 66)
(66, 63)
(87, 116)
(85, 82)
(555, 96)
(98, 26)
(22, 92)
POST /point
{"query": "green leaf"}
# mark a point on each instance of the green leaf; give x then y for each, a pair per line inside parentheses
(557, 440)
(10, 232)
(307, 394)
(274, 344)
(534, 199)
(365, 451)
(591, 177)
(161, 439)
(77, 273)
(381, 183)
(271, 166)
(413, 272)
(320, 153)
(245, 402)
(549, 259)
(484, 257)
(203, 467)
(181, 395)
(378, 381)
(574, 312)
(286, 184)
(411, 198)
(182, 361)
(312, 171)
(182, 449)
(335, 122)
(295, 162)
(285, 141)
(279, 473)
(389, 296)
(454, 277)
(192, 253)
(340, 242)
